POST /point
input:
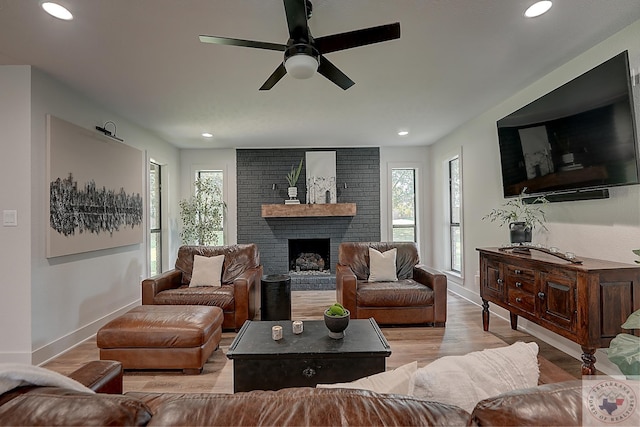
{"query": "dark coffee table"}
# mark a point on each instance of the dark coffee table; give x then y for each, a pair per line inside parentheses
(308, 359)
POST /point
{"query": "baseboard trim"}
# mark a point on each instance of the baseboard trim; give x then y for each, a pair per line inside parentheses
(63, 344)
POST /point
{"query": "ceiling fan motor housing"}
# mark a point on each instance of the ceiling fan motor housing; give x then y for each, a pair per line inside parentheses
(301, 60)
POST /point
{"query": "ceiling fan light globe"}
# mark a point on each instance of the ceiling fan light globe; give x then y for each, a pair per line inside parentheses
(301, 66)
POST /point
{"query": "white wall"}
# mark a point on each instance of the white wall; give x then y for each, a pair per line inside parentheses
(607, 229)
(72, 296)
(15, 187)
(192, 161)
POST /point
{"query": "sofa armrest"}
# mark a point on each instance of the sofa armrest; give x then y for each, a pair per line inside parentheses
(151, 287)
(346, 286)
(437, 281)
(545, 405)
(245, 291)
(101, 376)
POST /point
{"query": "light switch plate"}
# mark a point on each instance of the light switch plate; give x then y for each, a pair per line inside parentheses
(10, 218)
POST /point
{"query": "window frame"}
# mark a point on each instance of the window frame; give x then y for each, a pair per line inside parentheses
(158, 229)
(451, 224)
(415, 204)
(198, 174)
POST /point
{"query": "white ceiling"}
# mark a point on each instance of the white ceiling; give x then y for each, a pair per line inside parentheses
(455, 58)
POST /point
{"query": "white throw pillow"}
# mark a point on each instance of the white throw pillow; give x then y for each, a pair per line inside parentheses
(395, 381)
(382, 266)
(466, 380)
(207, 271)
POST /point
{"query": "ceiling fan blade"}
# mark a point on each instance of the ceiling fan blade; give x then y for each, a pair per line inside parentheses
(330, 71)
(296, 11)
(357, 38)
(274, 77)
(245, 43)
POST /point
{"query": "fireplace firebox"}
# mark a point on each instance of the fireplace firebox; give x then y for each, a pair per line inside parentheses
(309, 255)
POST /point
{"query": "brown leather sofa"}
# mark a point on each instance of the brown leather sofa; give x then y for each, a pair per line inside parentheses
(550, 404)
(241, 274)
(418, 297)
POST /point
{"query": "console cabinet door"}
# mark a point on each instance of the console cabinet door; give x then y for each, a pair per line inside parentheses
(557, 298)
(492, 286)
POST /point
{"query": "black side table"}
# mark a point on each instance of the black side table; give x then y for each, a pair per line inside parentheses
(275, 297)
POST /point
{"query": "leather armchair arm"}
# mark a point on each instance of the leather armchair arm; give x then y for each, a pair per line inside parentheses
(437, 281)
(167, 280)
(346, 285)
(245, 289)
(101, 376)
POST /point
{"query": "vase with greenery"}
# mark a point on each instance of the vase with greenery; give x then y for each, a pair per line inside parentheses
(292, 179)
(336, 318)
(521, 217)
(202, 214)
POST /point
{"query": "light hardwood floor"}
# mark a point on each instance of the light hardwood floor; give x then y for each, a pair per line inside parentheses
(463, 333)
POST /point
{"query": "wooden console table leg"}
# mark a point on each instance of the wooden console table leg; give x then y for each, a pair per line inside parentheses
(514, 321)
(485, 314)
(588, 361)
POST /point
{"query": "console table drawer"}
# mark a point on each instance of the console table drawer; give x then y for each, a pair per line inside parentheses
(521, 300)
(519, 273)
(521, 284)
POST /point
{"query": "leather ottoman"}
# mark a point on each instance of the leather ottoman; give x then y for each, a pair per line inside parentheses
(162, 337)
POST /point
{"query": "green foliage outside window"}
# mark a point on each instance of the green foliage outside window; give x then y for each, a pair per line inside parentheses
(202, 214)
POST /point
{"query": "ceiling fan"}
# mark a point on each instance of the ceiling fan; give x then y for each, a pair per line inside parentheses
(303, 54)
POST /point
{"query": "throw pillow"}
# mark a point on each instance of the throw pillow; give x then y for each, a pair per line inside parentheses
(207, 271)
(395, 381)
(382, 266)
(466, 380)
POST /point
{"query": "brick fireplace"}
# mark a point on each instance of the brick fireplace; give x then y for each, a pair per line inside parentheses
(259, 170)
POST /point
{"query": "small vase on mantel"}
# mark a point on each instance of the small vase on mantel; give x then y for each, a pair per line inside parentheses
(293, 196)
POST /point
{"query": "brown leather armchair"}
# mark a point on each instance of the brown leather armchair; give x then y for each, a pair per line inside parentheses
(419, 296)
(241, 274)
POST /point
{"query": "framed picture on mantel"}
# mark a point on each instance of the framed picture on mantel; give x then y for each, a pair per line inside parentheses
(321, 177)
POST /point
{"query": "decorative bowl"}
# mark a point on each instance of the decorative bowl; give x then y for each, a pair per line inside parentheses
(337, 324)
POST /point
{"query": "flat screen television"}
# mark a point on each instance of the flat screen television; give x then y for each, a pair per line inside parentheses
(580, 136)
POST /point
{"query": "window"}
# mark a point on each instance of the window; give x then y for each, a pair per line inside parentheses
(455, 238)
(217, 177)
(403, 204)
(155, 220)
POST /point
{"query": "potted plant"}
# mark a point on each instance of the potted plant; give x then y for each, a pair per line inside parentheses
(336, 318)
(624, 349)
(292, 179)
(521, 217)
(202, 214)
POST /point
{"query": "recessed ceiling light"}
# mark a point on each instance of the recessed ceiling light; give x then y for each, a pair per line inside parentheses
(207, 135)
(403, 133)
(56, 10)
(538, 8)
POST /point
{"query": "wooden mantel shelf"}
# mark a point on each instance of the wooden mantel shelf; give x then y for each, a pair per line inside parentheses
(303, 210)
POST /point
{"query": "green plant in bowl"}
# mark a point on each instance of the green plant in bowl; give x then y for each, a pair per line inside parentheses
(336, 319)
(336, 310)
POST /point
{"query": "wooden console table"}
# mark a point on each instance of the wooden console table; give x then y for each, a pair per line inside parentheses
(584, 302)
